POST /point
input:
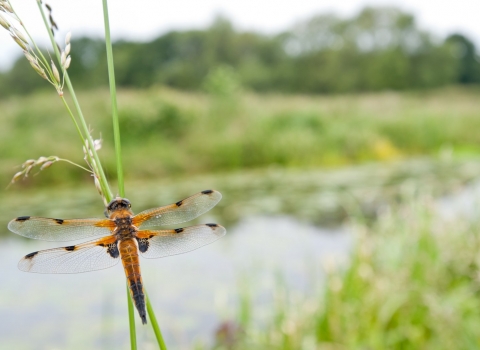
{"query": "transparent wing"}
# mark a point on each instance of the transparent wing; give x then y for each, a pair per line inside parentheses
(159, 244)
(182, 211)
(59, 230)
(89, 256)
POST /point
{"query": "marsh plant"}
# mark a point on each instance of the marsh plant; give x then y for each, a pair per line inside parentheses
(54, 70)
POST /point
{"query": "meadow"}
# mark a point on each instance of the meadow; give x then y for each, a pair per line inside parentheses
(167, 133)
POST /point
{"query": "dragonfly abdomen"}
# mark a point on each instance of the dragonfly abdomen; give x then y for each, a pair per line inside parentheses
(131, 264)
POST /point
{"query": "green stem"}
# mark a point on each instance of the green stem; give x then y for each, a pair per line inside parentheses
(73, 163)
(131, 321)
(154, 323)
(113, 95)
(118, 152)
(101, 174)
(73, 119)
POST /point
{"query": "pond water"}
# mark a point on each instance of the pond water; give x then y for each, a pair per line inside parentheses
(191, 293)
(282, 227)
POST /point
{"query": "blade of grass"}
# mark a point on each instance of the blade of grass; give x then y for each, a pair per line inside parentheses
(118, 151)
(131, 320)
(113, 96)
(154, 323)
(121, 188)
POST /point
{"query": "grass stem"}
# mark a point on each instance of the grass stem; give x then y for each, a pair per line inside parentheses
(118, 153)
(113, 96)
(131, 321)
(154, 323)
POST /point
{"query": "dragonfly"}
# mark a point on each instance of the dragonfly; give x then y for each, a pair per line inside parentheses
(125, 235)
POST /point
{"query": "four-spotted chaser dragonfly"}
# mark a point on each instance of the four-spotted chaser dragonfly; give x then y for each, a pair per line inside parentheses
(126, 235)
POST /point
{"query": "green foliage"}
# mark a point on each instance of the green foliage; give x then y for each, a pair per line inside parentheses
(411, 283)
(222, 82)
(167, 132)
(377, 49)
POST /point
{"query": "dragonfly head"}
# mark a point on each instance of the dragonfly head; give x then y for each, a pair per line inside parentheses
(117, 203)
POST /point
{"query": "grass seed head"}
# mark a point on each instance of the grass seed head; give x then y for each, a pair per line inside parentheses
(97, 185)
(67, 62)
(28, 162)
(19, 35)
(19, 42)
(46, 165)
(67, 49)
(41, 160)
(68, 37)
(38, 69)
(17, 176)
(55, 72)
(63, 58)
(29, 57)
(4, 23)
(5, 7)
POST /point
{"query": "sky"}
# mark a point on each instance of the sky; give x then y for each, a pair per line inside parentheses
(146, 19)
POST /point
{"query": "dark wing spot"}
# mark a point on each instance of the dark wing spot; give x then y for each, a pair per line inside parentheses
(207, 191)
(70, 248)
(143, 244)
(113, 250)
(22, 218)
(212, 225)
(179, 230)
(58, 221)
(31, 255)
(179, 203)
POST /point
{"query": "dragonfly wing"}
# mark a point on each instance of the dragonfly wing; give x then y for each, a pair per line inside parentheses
(182, 211)
(89, 256)
(49, 229)
(162, 243)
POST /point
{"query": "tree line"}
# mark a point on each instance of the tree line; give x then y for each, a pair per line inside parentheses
(377, 49)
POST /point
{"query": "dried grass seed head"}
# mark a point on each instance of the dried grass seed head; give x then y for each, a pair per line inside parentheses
(67, 62)
(29, 57)
(19, 42)
(56, 74)
(5, 7)
(46, 165)
(67, 49)
(17, 177)
(4, 23)
(68, 37)
(19, 34)
(39, 70)
(28, 163)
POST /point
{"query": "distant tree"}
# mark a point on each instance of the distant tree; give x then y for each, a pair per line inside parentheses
(376, 49)
(380, 48)
(468, 65)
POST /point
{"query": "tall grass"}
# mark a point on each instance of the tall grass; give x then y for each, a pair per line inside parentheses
(412, 283)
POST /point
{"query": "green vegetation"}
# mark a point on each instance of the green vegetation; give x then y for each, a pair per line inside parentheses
(376, 49)
(411, 283)
(167, 133)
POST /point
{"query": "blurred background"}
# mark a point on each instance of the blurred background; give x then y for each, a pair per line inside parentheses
(344, 137)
